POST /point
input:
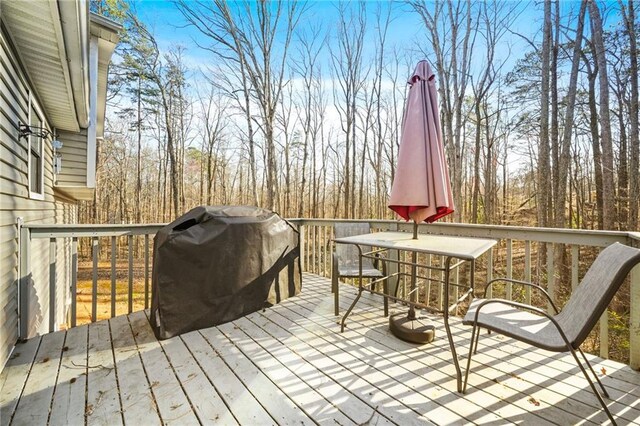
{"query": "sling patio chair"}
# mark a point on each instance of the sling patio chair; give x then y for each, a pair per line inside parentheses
(345, 261)
(566, 330)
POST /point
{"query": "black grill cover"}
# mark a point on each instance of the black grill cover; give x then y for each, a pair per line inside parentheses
(216, 264)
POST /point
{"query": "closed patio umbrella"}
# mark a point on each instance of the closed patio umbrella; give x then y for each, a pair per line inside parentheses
(421, 189)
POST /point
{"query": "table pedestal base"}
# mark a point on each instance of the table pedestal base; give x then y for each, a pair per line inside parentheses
(419, 330)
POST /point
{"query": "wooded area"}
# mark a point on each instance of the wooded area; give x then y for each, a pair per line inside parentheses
(303, 116)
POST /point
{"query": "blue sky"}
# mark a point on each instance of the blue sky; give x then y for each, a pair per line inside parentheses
(406, 29)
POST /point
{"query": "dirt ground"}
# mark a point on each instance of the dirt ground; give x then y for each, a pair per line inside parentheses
(103, 311)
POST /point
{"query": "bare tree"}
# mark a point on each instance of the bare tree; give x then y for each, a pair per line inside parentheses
(544, 166)
(605, 118)
(629, 19)
(248, 36)
(565, 154)
(452, 30)
(307, 65)
(347, 66)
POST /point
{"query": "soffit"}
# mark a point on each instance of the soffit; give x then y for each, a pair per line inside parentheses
(36, 32)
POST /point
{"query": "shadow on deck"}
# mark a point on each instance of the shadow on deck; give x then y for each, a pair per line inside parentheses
(290, 364)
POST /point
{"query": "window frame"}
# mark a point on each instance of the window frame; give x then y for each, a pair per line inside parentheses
(34, 107)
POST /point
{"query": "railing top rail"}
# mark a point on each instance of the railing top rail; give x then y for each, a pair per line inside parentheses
(545, 235)
(548, 235)
(90, 230)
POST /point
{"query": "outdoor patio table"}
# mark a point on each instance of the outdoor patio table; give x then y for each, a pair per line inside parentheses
(461, 249)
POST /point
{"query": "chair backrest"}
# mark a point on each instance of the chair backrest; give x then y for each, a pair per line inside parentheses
(348, 253)
(601, 282)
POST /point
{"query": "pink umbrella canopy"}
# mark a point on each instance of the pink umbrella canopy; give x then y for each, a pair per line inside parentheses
(421, 189)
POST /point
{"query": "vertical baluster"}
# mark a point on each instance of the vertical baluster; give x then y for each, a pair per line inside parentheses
(509, 288)
(574, 267)
(490, 271)
(428, 263)
(326, 247)
(551, 276)
(444, 304)
(456, 279)
(634, 329)
(146, 271)
(95, 246)
(130, 246)
(527, 270)
(303, 252)
(604, 334)
(114, 248)
(52, 285)
(25, 280)
(74, 280)
(313, 249)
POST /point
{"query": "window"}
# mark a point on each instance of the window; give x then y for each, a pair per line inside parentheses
(36, 153)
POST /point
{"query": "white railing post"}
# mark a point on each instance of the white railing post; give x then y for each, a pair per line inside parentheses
(74, 280)
(551, 276)
(24, 281)
(95, 246)
(301, 230)
(52, 285)
(509, 288)
(634, 320)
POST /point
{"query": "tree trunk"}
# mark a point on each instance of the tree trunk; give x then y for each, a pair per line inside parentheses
(544, 168)
(565, 153)
(608, 196)
(634, 144)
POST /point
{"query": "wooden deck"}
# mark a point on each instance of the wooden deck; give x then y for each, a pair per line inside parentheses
(290, 365)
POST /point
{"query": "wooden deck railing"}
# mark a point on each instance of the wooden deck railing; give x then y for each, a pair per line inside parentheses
(517, 255)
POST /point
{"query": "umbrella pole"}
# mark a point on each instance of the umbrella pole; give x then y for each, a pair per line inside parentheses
(409, 327)
(414, 259)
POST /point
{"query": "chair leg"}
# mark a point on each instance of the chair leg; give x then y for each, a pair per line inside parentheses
(604, 391)
(335, 290)
(475, 349)
(593, 386)
(471, 352)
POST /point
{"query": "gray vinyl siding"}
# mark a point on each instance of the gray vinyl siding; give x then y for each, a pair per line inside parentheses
(74, 159)
(15, 202)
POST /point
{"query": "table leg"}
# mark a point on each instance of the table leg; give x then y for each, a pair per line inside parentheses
(447, 266)
(353, 304)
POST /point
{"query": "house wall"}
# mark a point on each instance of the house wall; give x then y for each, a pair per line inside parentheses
(15, 202)
(74, 159)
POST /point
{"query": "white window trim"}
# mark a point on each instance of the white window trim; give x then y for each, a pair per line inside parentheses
(35, 195)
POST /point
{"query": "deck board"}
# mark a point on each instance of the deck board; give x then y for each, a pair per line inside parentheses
(209, 410)
(441, 373)
(289, 350)
(240, 401)
(38, 390)
(279, 406)
(69, 399)
(438, 362)
(14, 376)
(291, 365)
(138, 404)
(103, 400)
(173, 404)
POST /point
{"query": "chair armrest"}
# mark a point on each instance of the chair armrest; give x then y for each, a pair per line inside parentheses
(524, 307)
(524, 283)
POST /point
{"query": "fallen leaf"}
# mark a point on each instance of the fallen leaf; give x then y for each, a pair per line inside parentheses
(73, 380)
(46, 359)
(603, 371)
(533, 401)
(66, 348)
